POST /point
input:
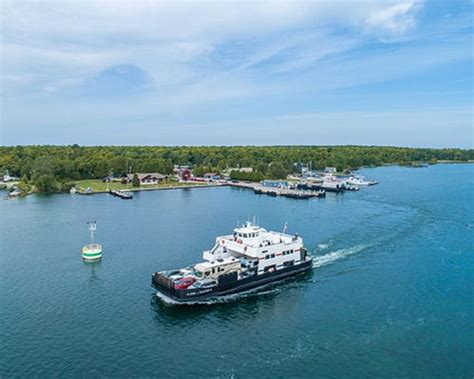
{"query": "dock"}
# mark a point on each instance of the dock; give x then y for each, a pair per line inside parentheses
(279, 191)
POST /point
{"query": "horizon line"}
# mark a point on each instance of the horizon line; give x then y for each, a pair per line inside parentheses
(234, 146)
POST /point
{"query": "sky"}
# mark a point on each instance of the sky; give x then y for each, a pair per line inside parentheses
(378, 72)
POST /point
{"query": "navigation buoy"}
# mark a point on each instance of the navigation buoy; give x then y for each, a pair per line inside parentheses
(92, 251)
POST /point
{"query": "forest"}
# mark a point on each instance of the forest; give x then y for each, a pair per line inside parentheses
(55, 168)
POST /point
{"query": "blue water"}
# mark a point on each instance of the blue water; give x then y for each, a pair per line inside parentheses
(391, 294)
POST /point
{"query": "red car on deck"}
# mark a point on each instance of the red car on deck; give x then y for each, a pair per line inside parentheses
(184, 283)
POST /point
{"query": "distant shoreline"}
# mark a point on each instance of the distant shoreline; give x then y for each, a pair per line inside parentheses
(82, 190)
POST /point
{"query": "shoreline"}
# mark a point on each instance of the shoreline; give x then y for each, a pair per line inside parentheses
(139, 189)
(241, 183)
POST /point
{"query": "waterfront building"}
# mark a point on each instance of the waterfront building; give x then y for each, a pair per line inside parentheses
(8, 178)
(210, 176)
(146, 178)
(183, 172)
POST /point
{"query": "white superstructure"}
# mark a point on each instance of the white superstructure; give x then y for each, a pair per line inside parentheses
(253, 248)
(359, 180)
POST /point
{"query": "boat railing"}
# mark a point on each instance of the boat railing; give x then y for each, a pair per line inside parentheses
(92, 246)
(164, 280)
(293, 237)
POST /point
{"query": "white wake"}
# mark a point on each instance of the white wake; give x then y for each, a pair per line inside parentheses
(326, 259)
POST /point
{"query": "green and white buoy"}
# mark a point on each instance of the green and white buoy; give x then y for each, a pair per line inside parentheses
(92, 251)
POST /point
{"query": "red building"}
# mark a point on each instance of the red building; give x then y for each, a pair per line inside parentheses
(186, 174)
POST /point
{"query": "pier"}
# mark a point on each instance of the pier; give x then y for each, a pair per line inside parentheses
(279, 191)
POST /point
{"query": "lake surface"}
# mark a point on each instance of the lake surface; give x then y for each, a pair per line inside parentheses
(391, 294)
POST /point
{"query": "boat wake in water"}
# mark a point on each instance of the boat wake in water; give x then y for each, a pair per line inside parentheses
(324, 246)
(329, 258)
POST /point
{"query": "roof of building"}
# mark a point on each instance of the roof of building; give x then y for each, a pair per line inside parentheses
(142, 176)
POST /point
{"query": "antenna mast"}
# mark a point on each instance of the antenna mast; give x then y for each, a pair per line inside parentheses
(92, 229)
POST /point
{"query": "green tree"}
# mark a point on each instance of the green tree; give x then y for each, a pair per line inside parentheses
(24, 186)
(42, 165)
(249, 176)
(276, 170)
(199, 171)
(8, 162)
(46, 184)
(135, 180)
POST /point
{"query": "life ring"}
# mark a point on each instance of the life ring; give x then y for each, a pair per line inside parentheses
(239, 241)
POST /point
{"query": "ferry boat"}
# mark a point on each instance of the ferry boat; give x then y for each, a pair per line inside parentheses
(248, 258)
(333, 186)
(359, 180)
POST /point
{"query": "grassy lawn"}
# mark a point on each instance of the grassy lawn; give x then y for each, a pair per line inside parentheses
(98, 185)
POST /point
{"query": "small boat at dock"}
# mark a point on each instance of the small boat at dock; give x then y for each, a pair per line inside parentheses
(15, 193)
(125, 195)
(351, 187)
(359, 180)
(332, 186)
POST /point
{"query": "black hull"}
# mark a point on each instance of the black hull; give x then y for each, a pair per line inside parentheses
(227, 287)
(123, 196)
(332, 189)
(317, 187)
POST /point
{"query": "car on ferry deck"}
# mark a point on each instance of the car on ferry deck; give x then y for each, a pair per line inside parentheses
(184, 283)
(205, 284)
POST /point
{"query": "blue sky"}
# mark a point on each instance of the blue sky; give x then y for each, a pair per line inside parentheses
(237, 73)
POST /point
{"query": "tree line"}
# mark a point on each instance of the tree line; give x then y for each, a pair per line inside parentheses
(53, 168)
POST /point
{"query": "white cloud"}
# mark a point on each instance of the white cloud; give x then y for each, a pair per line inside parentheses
(396, 19)
(58, 40)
